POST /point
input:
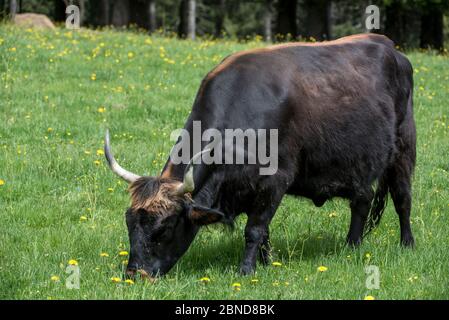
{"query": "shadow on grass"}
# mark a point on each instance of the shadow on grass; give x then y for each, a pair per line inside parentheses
(226, 253)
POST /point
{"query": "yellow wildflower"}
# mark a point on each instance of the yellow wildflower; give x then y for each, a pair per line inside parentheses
(83, 218)
(205, 279)
(129, 281)
(104, 254)
(97, 162)
(2, 182)
(73, 262)
(369, 298)
(93, 77)
(276, 264)
(237, 286)
(54, 278)
(100, 152)
(123, 253)
(322, 269)
(101, 109)
(116, 279)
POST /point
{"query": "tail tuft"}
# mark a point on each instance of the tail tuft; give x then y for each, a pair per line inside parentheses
(378, 206)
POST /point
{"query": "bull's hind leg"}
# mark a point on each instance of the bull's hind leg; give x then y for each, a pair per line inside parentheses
(360, 207)
(400, 190)
(400, 173)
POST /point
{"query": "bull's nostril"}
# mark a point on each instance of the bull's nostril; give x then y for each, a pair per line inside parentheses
(131, 272)
(144, 275)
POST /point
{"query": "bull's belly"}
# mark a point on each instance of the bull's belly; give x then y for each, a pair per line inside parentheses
(321, 188)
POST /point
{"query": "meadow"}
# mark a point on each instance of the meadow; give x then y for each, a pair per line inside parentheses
(61, 205)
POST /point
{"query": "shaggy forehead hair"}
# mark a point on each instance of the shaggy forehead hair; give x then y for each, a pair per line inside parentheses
(155, 195)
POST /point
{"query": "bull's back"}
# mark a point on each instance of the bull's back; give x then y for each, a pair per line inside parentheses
(333, 103)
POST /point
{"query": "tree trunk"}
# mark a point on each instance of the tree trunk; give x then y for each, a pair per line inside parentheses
(394, 24)
(267, 21)
(120, 13)
(365, 4)
(59, 10)
(12, 9)
(219, 20)
(152, 15)
(2, 9)
(286, 21)
(81, 5)
(187, 19)
(101, 13)
(432, 29)
(317, 23)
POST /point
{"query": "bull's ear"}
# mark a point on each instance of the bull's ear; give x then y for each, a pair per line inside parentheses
(201, 216)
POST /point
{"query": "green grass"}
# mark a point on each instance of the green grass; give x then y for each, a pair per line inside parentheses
(51, 129)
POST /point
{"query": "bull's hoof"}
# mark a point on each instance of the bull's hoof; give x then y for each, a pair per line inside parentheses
(353, 243)
(408, 241)
(246, 270)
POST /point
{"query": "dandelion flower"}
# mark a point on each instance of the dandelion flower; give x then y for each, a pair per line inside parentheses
(254, 281)
(50, 129)
(276, 264)
(93, 77)
(2, 182)
(83, 218)
(54, 278)
(111, 189)
(205, 279)
(123, 253)
(369, 298)
(100, 152)
(322, 269)
(129, 281)
(101, 109)
(73, 262)
(130, 55)
(104, 254)
(97, 162)
(116, 279)
(237, 286)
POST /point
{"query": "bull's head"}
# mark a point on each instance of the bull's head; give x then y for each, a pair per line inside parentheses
(162, 219)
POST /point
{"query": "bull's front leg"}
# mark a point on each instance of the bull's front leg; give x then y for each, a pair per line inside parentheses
(256, 230)
(256, 240)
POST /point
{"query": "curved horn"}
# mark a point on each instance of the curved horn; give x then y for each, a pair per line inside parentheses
(188, 184)
(115, 167)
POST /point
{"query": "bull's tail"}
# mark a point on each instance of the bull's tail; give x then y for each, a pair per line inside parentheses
(378, 205)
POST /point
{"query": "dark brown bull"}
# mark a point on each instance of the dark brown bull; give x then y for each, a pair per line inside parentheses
(343, 110)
